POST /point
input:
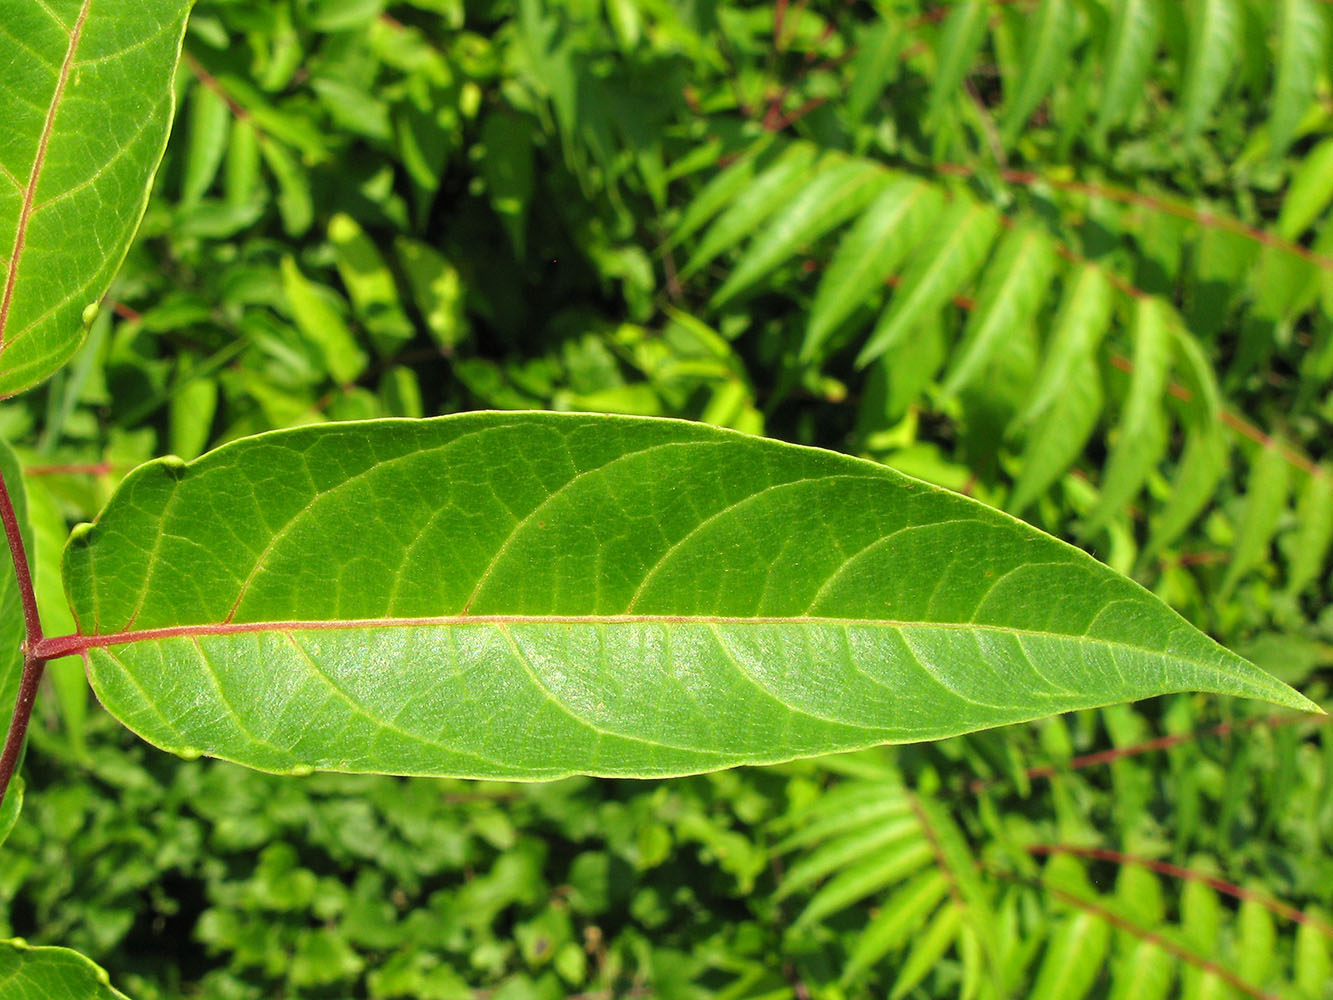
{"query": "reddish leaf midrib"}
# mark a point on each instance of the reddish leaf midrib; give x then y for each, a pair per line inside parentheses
(34, 175)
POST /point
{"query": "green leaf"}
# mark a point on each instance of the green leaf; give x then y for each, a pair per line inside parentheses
(1131, 48)
(1309, 193)
(1202, 465)
(960, 40)
(30, 973)
(1085, 314)
(531, 595)
(88, 104)
(930, 946)
(11, 807)
(1214, 34)
(1301, 37)
(1141, 435)
(1050, 32)
(1061, 432)
(897, 919)
(1314, 532)
(12, 631)
(756, 201)
(1073, 958)
(322, 325)
(942, 268)
(1012, 290)
(838, 191)
(1265, 500)
(872, 249)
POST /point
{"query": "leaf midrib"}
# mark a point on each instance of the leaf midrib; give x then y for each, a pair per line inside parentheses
(34, 175)
(78, 643)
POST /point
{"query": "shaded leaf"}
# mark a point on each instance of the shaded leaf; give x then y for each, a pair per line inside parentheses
(1265, 500)
(1214, 34)
(1301, 52)
(1131, 48)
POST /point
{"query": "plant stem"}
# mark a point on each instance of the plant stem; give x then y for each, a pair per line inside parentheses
(33, 662)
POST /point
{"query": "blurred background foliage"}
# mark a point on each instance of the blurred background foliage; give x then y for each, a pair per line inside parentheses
(1073, 257)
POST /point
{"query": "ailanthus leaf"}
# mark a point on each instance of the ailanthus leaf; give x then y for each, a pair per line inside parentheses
(1050, 32)
(1131, 50)
(838, 191)
(876, 64)
(942, 268)
(1062, 430)
(718, 193)
(1203, 463)
(960, 39)
(1301, 51)
(1015, 281)
(899, 916)
(1314, 530)
(870, 874)
(1309, 193)
(929, 948)
(1214, 34)
(754, 203)
(1073, 958)
(870, 251)
(838, 853)
(1141, 433)
(1080, 325)
(1266, 493)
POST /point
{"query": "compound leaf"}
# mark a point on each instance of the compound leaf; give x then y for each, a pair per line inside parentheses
(529, 595)
(88, 104)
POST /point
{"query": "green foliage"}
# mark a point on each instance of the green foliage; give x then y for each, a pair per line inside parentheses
(715, 211)
(75, 162)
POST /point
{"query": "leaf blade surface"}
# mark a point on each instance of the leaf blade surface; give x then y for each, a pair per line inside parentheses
(75, 167)
(532, 595)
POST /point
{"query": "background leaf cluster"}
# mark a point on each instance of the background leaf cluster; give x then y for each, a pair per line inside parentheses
(1073, 257)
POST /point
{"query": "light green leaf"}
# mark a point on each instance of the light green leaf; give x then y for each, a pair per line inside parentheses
(30, 973)
(897, 919)
(1141, 434)
(1012, 289)
(1202, 466)
(887, 866)
(1314, 531)
(1131, 48)
(872, 249)
(1050, 32)
(837, 192)
(1309, 193)
(718, 193)
(754, 203)
(88, 102)
(1265, 500)
(1214, 34)
(930, 946)
(529, 595)
(1073, 958)
(209, 129)
(1301, 52)
(1085, 314)
(1061, 432)
(942, 268)
(322, 325)
(11, 807)
(960, 40)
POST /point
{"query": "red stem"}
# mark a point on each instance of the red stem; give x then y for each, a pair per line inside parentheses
(33, 662)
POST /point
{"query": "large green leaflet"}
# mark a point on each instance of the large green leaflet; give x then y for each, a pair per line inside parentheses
(529, 595)
(86, 91)
(28, 973)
